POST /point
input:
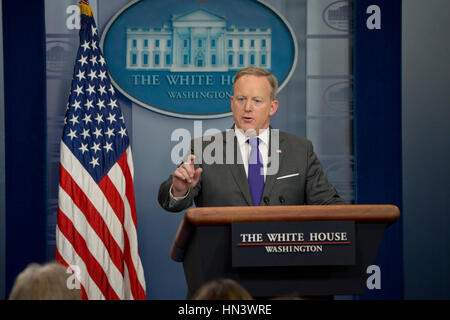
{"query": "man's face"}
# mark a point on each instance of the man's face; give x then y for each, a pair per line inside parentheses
(251, 103)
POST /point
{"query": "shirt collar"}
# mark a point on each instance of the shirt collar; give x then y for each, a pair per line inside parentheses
(242, 138)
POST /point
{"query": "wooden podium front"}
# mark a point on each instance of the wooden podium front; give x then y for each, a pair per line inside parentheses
(203, 245)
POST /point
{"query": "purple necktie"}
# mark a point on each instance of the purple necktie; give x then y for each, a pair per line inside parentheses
(255, 171)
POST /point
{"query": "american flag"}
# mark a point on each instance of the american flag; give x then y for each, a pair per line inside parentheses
(96, 231)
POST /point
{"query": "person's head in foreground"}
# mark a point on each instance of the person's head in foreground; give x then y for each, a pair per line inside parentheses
(43, 282)
(222, 289)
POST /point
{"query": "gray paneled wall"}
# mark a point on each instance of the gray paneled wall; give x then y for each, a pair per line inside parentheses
(426, 148)
(329, 89)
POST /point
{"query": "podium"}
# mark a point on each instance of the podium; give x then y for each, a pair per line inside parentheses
(203, 243)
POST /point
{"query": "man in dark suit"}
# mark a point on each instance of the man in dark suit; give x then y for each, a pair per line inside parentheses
(251, 164)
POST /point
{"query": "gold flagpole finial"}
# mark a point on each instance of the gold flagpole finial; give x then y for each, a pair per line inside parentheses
(85, 8)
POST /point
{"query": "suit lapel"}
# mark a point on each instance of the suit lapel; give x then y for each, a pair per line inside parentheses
(270, 179)
(237, 168)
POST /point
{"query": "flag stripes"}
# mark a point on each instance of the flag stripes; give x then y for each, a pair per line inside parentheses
(89, 187)
(84, 210)
(86, 219)
(66, 253)
(95, 270)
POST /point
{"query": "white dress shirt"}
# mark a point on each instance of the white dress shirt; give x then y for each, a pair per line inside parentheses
(245, 147)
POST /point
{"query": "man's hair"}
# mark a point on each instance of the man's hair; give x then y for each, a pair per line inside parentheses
(259, 72)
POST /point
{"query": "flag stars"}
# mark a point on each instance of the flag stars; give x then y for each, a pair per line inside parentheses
(80, 75)
(85, 45)
(108, 146)
(87, 118)
(101, 104)
(102, 75)
(93, 60)
(91, 89)
(99, 118)
(112, 103)
(89, 104)
(92, 75)
(79, 90)
(83, 148)
(74, 119)
(101, 89)
(122, 132)
(97, 133)
(83, 60)
(96, 147)
(76, 105)
(111, 118)
(94, 45)
(94, 162)
(85, 133)
(94, 133)
(72, 134)
(109, 132)
(101, 60)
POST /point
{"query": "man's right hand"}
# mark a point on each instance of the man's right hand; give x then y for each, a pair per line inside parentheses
(185, 177)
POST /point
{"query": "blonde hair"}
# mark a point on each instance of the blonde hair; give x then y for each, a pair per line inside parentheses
(43, 282)
(222, 289)
(259, 72)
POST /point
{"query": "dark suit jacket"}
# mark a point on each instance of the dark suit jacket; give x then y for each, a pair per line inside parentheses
(300, 178)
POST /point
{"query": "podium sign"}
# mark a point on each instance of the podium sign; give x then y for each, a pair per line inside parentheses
(310, 243)
(278, 250)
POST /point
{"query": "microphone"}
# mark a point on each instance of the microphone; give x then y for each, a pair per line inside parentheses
(282, 200)
(266, 200)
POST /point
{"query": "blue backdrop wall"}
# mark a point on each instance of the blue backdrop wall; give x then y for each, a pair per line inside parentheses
(2, 164)
(25, 136)
(377, 129)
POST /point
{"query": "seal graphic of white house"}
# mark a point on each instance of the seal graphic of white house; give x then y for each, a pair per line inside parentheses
(195, 41)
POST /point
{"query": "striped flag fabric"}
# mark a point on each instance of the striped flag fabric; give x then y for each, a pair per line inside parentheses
(96, 232)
